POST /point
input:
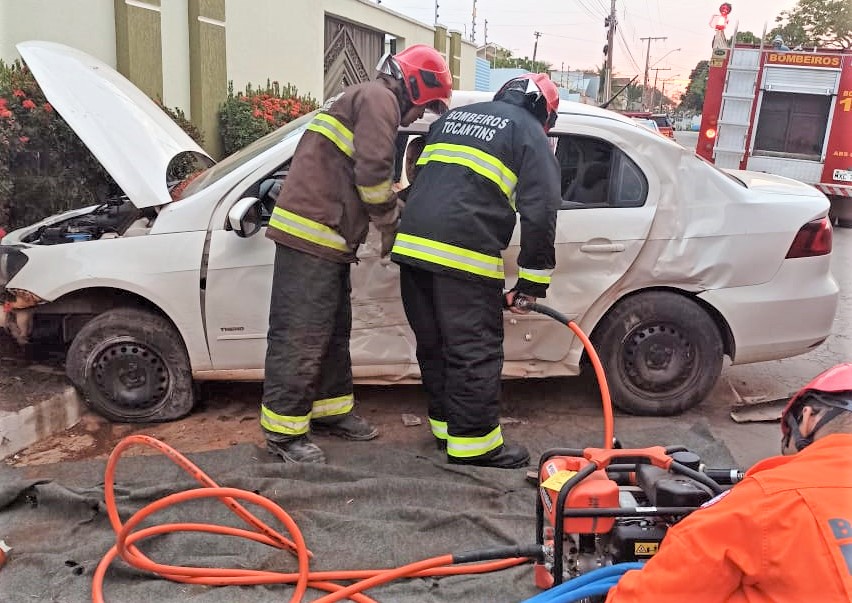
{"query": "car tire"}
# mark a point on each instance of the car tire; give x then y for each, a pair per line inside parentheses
(131, 366)
(661, 351)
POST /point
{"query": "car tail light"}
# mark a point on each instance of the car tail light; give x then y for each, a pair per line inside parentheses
(710, 133)
(814, 238)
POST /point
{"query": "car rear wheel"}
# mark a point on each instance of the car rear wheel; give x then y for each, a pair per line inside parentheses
(131, 366)
(661, 351)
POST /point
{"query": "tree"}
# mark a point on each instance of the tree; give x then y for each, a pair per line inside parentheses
(825, 23)
(693, 98)
(504, 59)
(745, 37)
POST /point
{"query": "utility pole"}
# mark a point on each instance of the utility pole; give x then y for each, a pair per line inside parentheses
(647, 61)
(473, 24)
(535, 49)
(485, 33)
(657, 71)
(610, 42)
(436, 12)
(663, 94)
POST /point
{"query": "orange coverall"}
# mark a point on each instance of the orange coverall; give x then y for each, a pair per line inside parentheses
(782, 535)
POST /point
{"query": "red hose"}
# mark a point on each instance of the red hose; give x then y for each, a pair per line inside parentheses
(126, 539)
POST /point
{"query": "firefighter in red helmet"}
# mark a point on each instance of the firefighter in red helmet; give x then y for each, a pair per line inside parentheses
(339, 181)
(748, 544)
(481, 166)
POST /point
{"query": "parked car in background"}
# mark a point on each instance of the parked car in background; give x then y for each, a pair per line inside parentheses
(647, 123)
(667, 262)
(664, 124)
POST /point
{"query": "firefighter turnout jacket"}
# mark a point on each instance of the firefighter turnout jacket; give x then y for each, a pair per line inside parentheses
(482, 163)
(783, 534)
(341, 175)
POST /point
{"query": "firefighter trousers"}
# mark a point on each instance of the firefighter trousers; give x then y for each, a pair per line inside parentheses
(308, 371)
(459, 329)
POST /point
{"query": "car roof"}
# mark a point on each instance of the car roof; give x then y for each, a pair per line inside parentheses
(461, 98)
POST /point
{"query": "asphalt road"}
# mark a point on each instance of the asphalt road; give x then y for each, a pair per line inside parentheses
(687, 139)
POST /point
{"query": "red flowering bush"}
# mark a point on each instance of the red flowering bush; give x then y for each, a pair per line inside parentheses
(248, 115)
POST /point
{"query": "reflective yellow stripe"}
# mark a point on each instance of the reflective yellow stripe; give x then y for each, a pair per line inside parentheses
(483, 164)
(333, 406)
(536, 276)
(439, 428)
(449, 255)
(291, 426)
(378, 193)
(306, 229)
(335, 131)
(467, 446)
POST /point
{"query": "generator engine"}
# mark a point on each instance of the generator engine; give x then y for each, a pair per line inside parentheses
(599, 507)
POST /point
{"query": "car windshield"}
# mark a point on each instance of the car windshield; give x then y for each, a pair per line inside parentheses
(232, 162)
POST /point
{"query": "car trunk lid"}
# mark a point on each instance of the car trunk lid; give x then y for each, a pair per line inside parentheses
(125, 130)
(761, 182)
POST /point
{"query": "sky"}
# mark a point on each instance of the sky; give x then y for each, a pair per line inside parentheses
(573, 33)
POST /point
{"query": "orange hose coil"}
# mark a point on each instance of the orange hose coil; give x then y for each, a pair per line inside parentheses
(126, 539)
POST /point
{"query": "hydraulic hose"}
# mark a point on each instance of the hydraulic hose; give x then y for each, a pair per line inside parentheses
(127, 538)
(524, 303)
(606, 576)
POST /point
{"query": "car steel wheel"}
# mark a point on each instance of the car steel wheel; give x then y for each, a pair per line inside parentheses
(131, 375)
(131, 365)
(661, 350)
(658, 359)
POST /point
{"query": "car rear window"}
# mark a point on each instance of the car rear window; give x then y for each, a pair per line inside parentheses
(662, 121)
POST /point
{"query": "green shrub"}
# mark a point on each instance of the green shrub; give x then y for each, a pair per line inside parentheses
(248, 115)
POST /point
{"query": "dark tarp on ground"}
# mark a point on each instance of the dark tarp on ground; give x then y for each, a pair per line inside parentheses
(380, 505)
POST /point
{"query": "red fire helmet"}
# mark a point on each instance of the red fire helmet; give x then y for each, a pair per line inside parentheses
(832, 388)
(539, 90)
(425, 74)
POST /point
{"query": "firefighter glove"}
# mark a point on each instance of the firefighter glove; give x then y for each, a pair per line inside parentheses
(388, 236)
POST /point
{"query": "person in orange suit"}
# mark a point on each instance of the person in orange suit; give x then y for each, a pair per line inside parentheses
(783, 534)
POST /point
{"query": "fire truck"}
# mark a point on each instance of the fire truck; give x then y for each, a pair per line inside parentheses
(782, 112)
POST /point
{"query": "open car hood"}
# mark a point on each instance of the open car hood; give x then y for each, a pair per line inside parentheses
(128, 133)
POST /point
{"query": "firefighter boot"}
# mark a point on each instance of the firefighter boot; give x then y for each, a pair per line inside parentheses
(349, 426)
(296, 450)
(507, 456)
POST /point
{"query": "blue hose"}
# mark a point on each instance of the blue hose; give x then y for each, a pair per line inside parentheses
(594, 583)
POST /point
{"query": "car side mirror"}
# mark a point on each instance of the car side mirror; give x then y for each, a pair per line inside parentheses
(246, 217)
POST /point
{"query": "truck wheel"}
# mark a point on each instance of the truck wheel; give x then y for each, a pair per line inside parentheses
(662, 353)
(131, 366)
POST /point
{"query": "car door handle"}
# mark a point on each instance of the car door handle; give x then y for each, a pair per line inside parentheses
(602, 247)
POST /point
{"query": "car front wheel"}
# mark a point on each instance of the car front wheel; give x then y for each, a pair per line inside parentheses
(131, 366)
(661, 351)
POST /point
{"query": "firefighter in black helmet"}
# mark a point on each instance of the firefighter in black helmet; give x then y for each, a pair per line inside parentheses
(482, 164)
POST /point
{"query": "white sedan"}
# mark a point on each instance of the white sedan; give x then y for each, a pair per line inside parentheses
(669, 263)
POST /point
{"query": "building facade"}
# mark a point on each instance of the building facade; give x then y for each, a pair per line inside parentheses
(186, 51)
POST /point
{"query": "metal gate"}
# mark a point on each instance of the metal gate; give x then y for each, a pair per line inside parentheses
(351, 54)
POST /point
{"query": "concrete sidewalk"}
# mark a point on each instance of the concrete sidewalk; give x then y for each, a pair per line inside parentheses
(36, 401)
